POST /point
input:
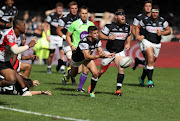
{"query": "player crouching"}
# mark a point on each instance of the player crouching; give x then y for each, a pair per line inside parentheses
(82, 55)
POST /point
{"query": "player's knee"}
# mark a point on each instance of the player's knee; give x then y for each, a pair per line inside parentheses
(28, 66)
(12, 79)
(150, 60)
(51, 55)
(69, 54)
(86, 70)
(95, 74)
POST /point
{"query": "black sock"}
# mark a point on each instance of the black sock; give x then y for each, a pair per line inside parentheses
(66, 63)
(142, 62)
(150, 72)
(143, 76)
(93, 84)
(120, 78)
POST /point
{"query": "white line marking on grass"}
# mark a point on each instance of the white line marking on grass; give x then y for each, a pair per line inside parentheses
(41, 114)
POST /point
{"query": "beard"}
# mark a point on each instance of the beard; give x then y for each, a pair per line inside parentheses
(122, 21)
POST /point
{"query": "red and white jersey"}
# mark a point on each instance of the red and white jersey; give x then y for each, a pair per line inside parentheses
(6, 42)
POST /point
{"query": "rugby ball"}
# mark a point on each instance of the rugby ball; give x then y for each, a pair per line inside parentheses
(126, 62)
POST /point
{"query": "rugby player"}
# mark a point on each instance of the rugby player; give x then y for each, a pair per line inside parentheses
(8, 47)
(54, 39)
(16, 89)
(16, 60)
(78, 30)
(116, 33)
(82, 55)
(63, 25)
(7, 14)
(146, 13)
(155, 26)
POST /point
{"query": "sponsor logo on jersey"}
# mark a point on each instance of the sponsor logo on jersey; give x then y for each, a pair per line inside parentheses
(83, 34)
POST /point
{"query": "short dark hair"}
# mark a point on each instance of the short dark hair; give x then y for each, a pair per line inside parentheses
(18, 20)
(147, 1)
(59, 4)
(83, 7)
(72, 3)
(91, 29)
(155, 7)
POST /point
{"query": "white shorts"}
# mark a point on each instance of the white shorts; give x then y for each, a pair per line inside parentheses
(55, 41)
(141, 46)
(106, 61)
(146, 44)
(76, 64)
(66, 47)
(19, 67)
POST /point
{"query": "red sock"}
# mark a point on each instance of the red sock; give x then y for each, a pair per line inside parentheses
(105, 68)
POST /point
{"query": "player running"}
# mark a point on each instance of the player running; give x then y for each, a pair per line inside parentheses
(54, 39)
(63, 25)
(116, 33)
(8, 47)
(78, 30)
(82, 55)
(155, 26)
(146, 13)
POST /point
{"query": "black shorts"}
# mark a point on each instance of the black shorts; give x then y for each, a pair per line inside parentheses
(5, 65)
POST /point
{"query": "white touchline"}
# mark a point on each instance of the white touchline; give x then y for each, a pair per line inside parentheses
(41, 114)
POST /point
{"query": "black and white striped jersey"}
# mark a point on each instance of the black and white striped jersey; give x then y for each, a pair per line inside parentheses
(66, 21)
(121, 33)
(151, 28)
(53, 19)
(85, 44)
(7, 15)
(137, 20)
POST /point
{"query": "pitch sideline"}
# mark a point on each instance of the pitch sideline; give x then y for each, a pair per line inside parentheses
(41, 114)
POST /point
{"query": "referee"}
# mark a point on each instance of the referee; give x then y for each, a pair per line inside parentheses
(79, 30)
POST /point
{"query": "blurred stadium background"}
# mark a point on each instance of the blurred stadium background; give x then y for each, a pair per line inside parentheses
(35, 11)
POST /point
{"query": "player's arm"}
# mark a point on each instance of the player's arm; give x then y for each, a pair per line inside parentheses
(129, 38)
(28, 57)
(137, 32)
(30, 93)
(128, 44)
(87, 56)
(3, 23)
(59, 32)
(16, 50)
(104, 34)
(14, 58)
(102, 54)
(166, 31)
(61, 24)
(45, 30)
(41, 92)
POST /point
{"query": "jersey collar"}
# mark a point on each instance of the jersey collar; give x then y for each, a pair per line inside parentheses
(81, 22)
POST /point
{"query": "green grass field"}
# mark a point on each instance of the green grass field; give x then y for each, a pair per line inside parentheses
(160, 103)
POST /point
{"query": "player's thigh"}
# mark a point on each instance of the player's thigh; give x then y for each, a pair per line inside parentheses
(150, 54)
(52, 43)
(117, 63)
(8, 74)
(85, 69)
(80, 69)
(25, 66)
(92, 67)
(74, 71)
